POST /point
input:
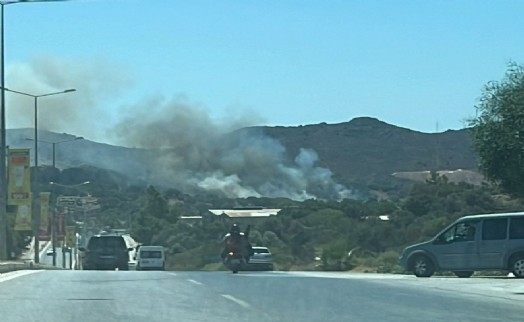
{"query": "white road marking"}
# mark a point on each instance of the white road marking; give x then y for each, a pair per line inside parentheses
(239, 302)
(12, 275)
(194, 282)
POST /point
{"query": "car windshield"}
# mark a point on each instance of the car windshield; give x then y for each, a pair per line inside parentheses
(261, 160)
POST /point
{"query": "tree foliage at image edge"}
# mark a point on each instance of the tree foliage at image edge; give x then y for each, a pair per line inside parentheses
(498, 130)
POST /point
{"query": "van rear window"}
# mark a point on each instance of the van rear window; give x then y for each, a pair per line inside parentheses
(151, 254)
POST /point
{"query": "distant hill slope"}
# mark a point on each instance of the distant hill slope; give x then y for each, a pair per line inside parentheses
(359, 153)
(365, 149)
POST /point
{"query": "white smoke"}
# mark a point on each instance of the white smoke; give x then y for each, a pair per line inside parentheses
(86, 112)
(192, 151)
(197, 153)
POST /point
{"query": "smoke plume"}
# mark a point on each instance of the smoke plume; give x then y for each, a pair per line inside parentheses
(198, 152)
(190, 150)
(86, 112)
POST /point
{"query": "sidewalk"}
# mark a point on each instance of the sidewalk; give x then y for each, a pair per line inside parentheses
(26, 260)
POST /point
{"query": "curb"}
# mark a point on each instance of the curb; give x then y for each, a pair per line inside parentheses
(29, 265)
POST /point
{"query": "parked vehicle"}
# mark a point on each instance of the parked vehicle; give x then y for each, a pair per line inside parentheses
(105, 252)
(471, 243)
(150, 258)
(261, 259)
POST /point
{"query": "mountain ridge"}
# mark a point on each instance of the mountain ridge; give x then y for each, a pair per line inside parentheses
(361, 152)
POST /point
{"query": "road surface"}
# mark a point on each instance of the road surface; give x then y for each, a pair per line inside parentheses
(64, 295)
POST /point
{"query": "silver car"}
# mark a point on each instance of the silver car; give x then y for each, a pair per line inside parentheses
(261, 259)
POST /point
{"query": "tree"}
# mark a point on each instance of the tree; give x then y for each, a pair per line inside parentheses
(152, 217)
(498, 130)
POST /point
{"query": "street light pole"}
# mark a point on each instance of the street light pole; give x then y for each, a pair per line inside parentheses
(55, 143)
(3, 148)
(35, 211)
(3, 135)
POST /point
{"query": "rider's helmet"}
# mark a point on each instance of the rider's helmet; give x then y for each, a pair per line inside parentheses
(235, 230)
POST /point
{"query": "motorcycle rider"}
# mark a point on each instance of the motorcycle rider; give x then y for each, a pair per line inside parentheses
(237, 242)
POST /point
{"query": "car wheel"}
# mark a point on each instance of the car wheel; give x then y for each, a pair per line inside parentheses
(517, 266)
(463, 274)
(423, 266)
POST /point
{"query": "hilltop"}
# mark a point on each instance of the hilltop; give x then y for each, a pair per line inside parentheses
(365, 149)
(363, 152)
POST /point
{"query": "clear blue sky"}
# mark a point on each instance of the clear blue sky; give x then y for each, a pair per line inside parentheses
(276, 62)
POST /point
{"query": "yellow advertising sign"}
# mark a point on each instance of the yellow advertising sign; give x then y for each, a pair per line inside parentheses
(44, 210)
(70, 236)
(23, 218)
(19, 177)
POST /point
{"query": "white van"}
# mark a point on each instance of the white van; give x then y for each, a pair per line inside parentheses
(150, 258)
(472, 243)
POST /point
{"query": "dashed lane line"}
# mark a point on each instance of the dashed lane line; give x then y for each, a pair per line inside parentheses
(194, 282)
(244, 304)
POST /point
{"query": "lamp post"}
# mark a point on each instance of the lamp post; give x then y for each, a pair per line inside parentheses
(54, 143)
(35, 211)
(53, 220)
(3, 133)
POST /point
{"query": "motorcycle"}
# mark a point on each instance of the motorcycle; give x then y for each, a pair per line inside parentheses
(234, 261)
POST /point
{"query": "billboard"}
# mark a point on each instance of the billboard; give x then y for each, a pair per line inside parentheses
(44, 211)
(19, 177)
(23, 218)
(70, 236)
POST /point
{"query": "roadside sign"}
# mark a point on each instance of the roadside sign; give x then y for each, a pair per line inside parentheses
(78, 203)
(70, 236)
(67, 201)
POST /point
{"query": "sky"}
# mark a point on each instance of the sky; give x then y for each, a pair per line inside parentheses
(415, 64)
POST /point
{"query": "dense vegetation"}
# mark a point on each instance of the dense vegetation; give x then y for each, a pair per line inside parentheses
(313, 234)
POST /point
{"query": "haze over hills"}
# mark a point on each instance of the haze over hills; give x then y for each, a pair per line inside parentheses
(321, 160)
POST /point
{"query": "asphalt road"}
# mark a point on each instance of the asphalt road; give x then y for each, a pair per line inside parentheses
(253, 296)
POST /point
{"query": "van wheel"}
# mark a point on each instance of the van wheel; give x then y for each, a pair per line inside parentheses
(517, 266)
(423, 266)
(463, 274)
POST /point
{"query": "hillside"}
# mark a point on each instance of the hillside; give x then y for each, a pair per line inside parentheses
(366, 149)
(270, 161)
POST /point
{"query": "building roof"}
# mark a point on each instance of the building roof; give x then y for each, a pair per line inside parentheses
(190, 217)
(245, 213)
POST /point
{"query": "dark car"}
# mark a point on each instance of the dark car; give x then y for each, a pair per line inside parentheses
(106, 252)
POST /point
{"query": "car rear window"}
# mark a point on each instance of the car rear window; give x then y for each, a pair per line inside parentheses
(150, 254)
(106, 242)
(261, 250)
